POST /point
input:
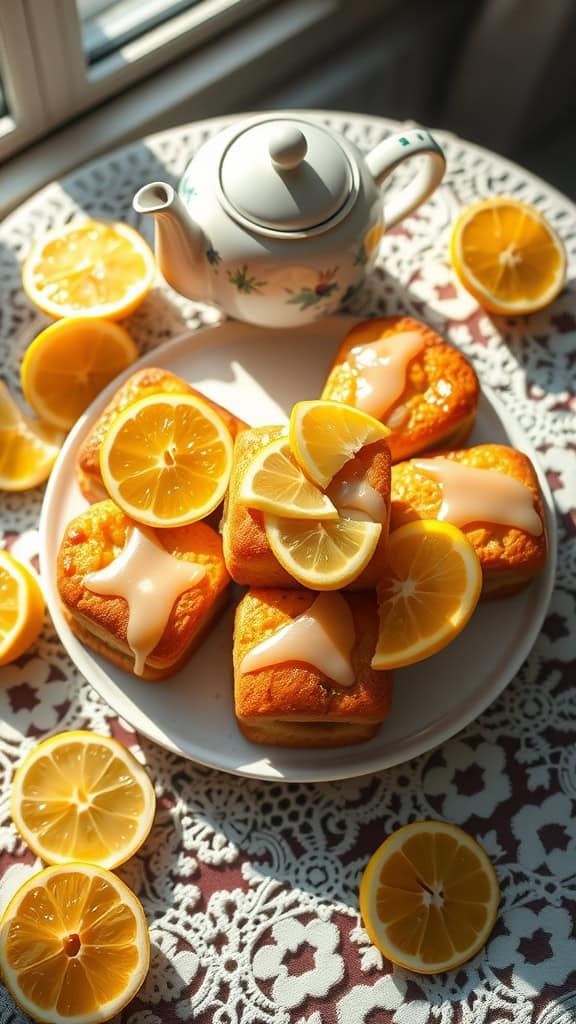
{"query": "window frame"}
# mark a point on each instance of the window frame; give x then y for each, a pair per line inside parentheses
(237, 70)
(26, 117)
(71, 85)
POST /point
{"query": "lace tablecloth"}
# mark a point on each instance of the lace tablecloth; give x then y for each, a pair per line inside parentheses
(251, 888)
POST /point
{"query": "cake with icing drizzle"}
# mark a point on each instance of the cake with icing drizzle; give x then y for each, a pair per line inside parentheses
(403, 373)
(302, 675)
(491, 493)
(143, 598)
(360, 490)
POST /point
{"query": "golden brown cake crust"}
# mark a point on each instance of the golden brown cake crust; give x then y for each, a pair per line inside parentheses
(149, 381)
(248, 555)
(508, 555)
(122, 656)
(271, 701)
(316, 735)
(440, 399)
(91, 541)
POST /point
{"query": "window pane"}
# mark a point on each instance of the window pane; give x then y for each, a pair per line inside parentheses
(3, 102)
(110, 24)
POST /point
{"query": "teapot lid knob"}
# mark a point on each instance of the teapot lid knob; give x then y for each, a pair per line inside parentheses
(287, 147)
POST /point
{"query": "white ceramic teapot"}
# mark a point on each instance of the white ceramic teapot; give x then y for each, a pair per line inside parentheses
(276, 217)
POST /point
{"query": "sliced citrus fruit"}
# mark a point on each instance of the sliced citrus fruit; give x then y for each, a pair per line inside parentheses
(69, 363)
(21, 608)
(28, 449)
(429, 897)
(93, 268)
(429, 589)
(74, 945)
(275, 483)
(166, 460)
(322, 554)
(324, 435)
(79, 796)
(507, 256)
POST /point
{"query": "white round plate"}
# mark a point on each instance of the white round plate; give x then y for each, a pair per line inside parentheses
(259, 374)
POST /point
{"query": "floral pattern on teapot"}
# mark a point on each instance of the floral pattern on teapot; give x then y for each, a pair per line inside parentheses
(244, 281)
(322, 290)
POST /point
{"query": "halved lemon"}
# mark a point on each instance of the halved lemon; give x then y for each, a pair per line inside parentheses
(275, 483)
(322, 554)
(429, 590)
(79, 796)
(508, 256)
(69, 363)
(28, 448)
(324, 435)
(74, 945)
(21, 608)
(166, 460)
(429, 897)
(92, 268)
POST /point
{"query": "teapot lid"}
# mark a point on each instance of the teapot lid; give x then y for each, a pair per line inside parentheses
(286, 175)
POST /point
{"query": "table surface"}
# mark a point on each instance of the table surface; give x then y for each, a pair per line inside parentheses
(250, 888)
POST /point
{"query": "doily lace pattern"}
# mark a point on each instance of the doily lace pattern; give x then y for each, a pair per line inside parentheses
(250, 888)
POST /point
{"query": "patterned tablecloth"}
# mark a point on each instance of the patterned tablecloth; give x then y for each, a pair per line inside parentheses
(251, 888)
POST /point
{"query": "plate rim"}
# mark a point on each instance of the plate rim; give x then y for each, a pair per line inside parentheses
(420, 743)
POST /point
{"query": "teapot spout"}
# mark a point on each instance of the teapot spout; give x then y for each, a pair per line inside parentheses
(180, 243)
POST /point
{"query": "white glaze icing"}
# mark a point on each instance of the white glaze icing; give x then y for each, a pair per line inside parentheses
(381, 368)
(323, 636)
(474, 495)
(150, 580)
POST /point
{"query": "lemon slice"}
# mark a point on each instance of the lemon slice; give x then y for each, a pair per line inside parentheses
(275, 483)
(21, 608)
(28, 449)
(166, 460)
(508, 256)
(82, 797)
(74, 945)
(322, 554)
(429, 590)
(324, 435)
(429, 897)
(94, 268)
(69, 363)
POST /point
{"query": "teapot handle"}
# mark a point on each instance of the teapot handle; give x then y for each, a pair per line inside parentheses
(386, 156)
